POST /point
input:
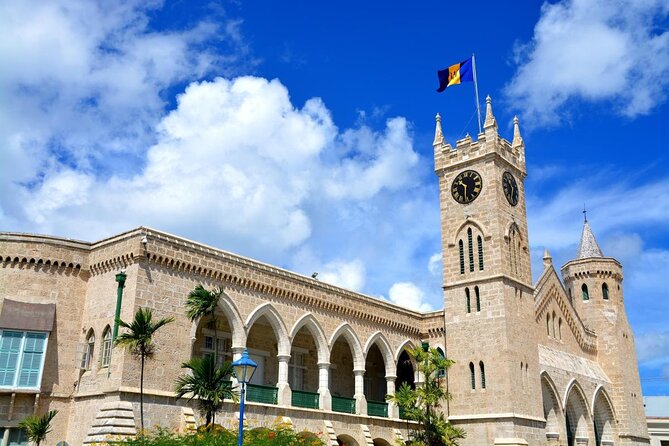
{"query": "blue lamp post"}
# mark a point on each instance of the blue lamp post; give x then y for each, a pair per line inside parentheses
(243, 368)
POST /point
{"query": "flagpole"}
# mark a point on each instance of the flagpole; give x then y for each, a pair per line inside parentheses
(476, 90)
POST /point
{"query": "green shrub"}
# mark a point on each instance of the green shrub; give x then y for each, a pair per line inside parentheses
(280, 435)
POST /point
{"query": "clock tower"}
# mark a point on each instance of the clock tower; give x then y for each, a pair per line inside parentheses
(488, 293)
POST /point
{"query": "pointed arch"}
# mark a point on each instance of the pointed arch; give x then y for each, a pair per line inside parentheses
(311, 323)
(603, 415)
(353, 341)
(234, 318)
(274, 319)
(472, 222)
(578, 418)
(382, 343)
(407, 344)
(552, 407)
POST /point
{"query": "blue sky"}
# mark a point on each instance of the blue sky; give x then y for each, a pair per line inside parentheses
(299, 133)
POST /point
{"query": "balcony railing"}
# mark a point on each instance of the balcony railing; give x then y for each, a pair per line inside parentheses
(377, 409)
(342, 404)
(301, 398)
(261, 394)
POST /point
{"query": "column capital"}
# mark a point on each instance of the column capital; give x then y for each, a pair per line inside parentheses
(283, 358)
(391, 377)
(358, 372)
(323, 365)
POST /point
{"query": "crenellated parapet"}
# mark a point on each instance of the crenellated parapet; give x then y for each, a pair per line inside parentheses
(488, 144)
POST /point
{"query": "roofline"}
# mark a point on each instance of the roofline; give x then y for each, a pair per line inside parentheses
(272, 269)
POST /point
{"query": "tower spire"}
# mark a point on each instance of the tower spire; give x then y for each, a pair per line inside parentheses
(438, 134)
(588, 246)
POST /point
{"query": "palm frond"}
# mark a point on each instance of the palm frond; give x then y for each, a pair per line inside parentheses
(38, 426)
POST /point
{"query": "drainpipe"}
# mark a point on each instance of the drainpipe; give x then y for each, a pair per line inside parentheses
(120, 278)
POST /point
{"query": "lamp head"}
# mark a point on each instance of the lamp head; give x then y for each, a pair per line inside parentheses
(244, 368)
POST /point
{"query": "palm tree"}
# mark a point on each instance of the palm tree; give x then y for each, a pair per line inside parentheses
(37, 427)
(203, 302)
(207, 382)
(139, 340)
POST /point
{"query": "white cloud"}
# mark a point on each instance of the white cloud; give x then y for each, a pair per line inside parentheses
(434, 264)
(593, 50)
(652, 348)
(350, 275)
(408, 295)
(83, 82)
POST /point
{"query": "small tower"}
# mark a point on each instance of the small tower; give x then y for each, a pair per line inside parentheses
(594, 284)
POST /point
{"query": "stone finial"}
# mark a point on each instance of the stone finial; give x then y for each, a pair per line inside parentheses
(548, 260)
(517, 139)
(588, 246)
(490, 120)
(438, 134)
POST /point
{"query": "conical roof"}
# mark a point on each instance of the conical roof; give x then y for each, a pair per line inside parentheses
(588, 246)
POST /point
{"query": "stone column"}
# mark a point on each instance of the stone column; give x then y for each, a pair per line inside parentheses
(5, 437)
(419, 378)
(393, 409)
(325, 398)
(236, 354)
(360, 400)
(285, 395)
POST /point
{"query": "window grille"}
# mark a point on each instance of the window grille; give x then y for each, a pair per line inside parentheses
(605, 291)
(472, 375)
(479, 241)
(21, 358)
(482, 367)
(105, 353)
(468, 301)
(462, 257)
(478, 299)
(470, 245)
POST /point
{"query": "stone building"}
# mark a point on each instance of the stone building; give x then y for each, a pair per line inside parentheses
(549, 363)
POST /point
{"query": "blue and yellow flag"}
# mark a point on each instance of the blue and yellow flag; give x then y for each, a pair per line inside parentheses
(455, 74)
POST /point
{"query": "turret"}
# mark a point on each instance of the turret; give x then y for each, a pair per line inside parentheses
(594, 284)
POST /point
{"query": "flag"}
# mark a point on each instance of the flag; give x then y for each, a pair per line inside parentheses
(455, 74)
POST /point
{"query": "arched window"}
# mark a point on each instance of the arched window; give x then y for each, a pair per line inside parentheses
(569, 292)
(478, 299)
(605, 291)
(470, 245)
(479, 242)
(522, 374)
(584, 292)
(560, 328)
(441, 372)
(482, 367)
(105, 352)
(472, 375)
(553, 324)
(462, 256)
(548, 326)
(90, 348)
(468, 301)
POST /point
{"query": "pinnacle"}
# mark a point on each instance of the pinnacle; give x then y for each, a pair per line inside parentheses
(517, 139)
(489, 117)
(438, 134)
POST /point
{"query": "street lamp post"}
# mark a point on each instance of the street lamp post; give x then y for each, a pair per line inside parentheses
(243, 368)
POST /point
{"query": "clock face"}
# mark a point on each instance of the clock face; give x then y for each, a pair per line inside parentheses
(466, 186)
(510, 188)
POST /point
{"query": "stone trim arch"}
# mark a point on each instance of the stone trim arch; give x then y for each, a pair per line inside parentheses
(579, 429)
(382, 343)
(553, 409)
(407, 344)
(311, 323)
(274, 318)
(603, 417)
(234, 318)
(354, 342)
(470, 222)
(600, 389)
